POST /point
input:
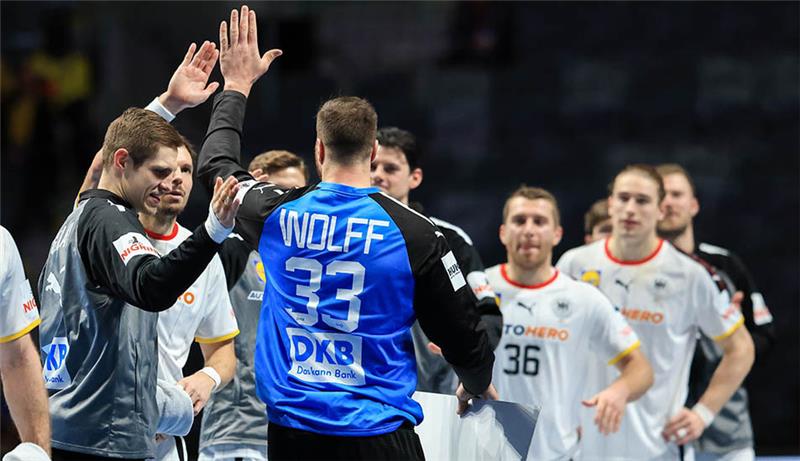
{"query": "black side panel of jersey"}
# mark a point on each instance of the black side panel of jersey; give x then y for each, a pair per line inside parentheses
(146, 281)
(446, 316)
(470, 261)
(234, 255)
(734, 268)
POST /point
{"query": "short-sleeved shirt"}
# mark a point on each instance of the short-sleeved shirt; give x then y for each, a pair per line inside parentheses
(549, 330)
(203, 313)
(666, 297)
(18, 311)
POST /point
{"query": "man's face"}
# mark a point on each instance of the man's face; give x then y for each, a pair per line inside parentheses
(600, 231)
(288, 178)
(174, 200)
(680, 205)
(144, 185)
(529, 232)
(391, 173)
(633, 206)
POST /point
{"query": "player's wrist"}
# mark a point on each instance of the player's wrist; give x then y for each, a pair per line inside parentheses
(704, 413)
(171, 103)
(241, 87)
(212, 373)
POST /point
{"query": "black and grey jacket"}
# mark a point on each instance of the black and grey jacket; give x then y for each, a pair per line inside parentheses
(235, 414)
(100, 291)
(731, 428)
(434, 374)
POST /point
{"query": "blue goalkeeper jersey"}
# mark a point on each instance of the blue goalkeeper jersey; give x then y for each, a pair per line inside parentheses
(348, 272)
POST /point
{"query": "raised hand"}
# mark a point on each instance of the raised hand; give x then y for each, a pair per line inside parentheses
(240, 61)
(189, 85)
(224, 202)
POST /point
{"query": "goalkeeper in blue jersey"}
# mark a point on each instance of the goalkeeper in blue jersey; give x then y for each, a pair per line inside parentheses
(348, 271)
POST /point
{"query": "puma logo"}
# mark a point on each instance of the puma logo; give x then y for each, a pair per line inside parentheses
(526, 307)
(626, 286)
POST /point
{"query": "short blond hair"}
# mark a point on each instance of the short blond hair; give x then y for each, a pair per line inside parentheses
(534, 193)
(273, 161)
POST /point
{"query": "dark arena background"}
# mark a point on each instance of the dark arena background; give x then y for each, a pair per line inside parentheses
(559, 95)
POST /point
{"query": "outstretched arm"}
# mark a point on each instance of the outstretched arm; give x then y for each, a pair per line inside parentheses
(242, 65)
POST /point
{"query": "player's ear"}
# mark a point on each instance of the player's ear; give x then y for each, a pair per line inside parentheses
(502, 234)
(319, 151)
(374, 152)
(120, 159)
(557, 235)
(694, 207)
(416, 178)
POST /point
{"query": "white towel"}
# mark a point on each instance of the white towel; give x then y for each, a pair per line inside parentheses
(175, 410)
(27, 451)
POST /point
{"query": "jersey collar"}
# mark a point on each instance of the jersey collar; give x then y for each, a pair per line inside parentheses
(343, 188)
(504, 273)
(169, 236)
(633, 262)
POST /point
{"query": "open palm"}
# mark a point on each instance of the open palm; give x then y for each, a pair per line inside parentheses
(189, 85)
(240, 61)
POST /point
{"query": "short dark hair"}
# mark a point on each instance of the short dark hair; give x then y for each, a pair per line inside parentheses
(190, 147)
(272, 161)
(597, 213)
(141, 133)
(673, 168)
(534, 193)
(347, 127)
(403, 140)
(643, 169)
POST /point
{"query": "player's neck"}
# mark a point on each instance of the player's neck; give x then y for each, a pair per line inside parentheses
(533, 276)
(628, 249)
(107, 182)
(685, 241)
(158, 223)
(350, 175)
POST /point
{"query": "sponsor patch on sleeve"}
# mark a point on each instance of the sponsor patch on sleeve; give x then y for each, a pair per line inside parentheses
(133, 244)
(480, 285)
(761, 314)
(453, 271)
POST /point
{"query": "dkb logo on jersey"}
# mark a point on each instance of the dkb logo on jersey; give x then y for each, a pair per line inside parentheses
(326, 357)
(55, 371)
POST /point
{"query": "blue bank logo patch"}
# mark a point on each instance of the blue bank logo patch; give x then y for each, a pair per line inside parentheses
(56, 375)
(326, 357)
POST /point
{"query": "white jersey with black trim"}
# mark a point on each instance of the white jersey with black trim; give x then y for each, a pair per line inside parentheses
(203, 313)
(665, 297)
(549, 331)
(18, 311)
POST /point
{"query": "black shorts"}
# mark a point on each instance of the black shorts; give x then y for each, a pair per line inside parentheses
(63, 455)
(294, 444)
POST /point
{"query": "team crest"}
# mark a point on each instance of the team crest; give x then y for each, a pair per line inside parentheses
(562, 308)
(591, 277)
(660, 284)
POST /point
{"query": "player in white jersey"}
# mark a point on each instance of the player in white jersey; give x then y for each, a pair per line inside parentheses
(666, 296)
(19, 360)
(551, 323)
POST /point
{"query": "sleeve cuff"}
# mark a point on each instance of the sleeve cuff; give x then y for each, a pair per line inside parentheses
(156, 106)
